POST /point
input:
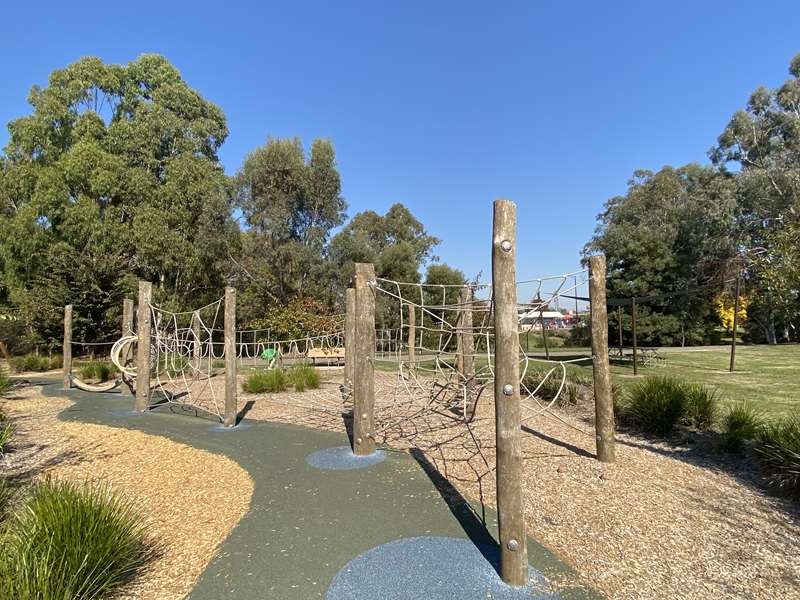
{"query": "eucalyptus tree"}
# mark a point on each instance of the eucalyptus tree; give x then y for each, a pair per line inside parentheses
(114, 175)
(397, 242)
(671, 235)
(762, 142)
(290, 202)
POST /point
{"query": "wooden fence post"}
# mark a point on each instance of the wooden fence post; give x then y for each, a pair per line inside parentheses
(127, 317)
(127, 326)
(544, 332)
(633, 333)
(735, 323)
(364, 375)
(601, 369)
(230, 357)
(619, 325)
(142, 400)
(510, 507)
(412, 336)
(467, 351)
(349, 339)
(67, 349)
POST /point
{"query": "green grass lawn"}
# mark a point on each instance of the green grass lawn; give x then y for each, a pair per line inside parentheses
(768, 376)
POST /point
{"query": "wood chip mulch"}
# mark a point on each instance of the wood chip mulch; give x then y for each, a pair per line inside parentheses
(191, 499)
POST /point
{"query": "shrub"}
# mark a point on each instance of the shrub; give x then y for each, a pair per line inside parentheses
(6, 433)
(5, 382)
(778, 449)
(71, 541)
(271, 380)
(6, 497)
(656, 404)
(304, 377)
(619, 400)
(172, 363)
(535, 377)
(97, 370)
(31, 362)
(741, 423)
(702, 405)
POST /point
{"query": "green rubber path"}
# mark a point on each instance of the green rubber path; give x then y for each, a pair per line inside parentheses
(305, 524)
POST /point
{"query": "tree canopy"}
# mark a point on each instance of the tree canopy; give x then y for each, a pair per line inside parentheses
(695, 228)
(114, 176)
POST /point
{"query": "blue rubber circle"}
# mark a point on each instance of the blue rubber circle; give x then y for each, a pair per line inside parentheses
(341, 458)
(128, 413)
(433, 568)
(222, 429)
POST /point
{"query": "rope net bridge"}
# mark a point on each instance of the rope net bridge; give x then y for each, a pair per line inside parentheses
(433, 360)
(434, 367)
(187, 355)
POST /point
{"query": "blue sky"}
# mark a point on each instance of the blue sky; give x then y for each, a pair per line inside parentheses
(445, 106)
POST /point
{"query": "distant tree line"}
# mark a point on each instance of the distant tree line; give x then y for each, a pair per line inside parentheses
(686, 233)
(114, 177)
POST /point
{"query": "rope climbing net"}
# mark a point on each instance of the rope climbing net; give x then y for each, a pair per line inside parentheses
(186, 354)
(440, 341)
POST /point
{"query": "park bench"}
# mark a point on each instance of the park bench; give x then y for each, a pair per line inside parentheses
(646, 357)
(328, 355)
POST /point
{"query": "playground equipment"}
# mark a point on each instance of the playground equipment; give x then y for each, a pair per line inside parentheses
(447, 355)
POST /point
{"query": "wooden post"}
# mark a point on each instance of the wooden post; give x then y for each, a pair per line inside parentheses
(735, 323)
(142, 400)
(510, 507)
(601, 369)
(575, 281)
(619, 325)
(349, 339)
(127, 317)
(468, 351)
(364, 375)
(230, 357)
(633, 332)
(544, 332)
(412, 336)
(67, 349)
(459, 340)
(127, 326)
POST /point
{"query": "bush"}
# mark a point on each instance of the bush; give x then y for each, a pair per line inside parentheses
(5, 382)
(271, 380)
(535, 377)
(741, 423)
(172, 363)
(6, 498)
(71, 541)
(97, 370)
(6, 433)
(778, 449)
(31, 362)
(656, 404)
(702, 405)
(575, 390)
(304, 377)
